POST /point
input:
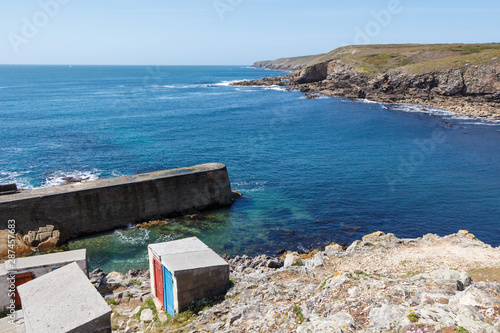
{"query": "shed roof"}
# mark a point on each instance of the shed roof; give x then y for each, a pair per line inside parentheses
(61, 301)
(48, 259)
(186, 254)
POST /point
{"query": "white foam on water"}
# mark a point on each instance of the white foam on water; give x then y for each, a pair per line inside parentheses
(185, 86)
(227, 83)
(165, 238)
(60, 177)
(247, 187)
(277, 88)
(18, 178)
(171, 97)
(367, 101)
(245, 90)
(136, 239)
(116, 173)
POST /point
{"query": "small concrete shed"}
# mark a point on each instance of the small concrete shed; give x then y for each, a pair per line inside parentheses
(183, 271)
(26, 269)
(64, 301)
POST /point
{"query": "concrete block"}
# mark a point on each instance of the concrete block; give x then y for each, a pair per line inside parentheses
(63, 301)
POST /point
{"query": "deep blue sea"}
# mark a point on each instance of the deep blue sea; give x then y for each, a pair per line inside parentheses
(311, 171)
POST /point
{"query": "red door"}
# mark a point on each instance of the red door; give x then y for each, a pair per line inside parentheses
(158, 281)
(21, 279)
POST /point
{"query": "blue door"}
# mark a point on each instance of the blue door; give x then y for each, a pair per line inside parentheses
(168, 291)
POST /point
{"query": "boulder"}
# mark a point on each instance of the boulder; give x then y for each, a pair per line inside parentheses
(115, 280)
(447, 276)
(386, 317)
(333, 249)
(147, 315)
(20, 247)
(339, 322)
(292, 259)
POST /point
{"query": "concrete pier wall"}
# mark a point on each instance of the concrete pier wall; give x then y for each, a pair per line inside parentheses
(82, 208)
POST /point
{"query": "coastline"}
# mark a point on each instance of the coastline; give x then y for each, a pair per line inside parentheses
(456, 105)
(376, 284)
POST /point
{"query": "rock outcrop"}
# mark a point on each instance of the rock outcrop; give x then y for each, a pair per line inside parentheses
(380, 283)
(464, 80)
(40, 240)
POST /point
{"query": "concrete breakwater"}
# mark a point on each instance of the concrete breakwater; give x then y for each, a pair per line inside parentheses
(42, 218)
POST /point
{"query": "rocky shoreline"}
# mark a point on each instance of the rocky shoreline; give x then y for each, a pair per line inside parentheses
(454, 81)
(378, 284)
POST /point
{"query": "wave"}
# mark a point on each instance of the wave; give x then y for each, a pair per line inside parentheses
(136, 238)
(18, 178)
(277, 88)
(227, 83)
(171, 97)
(61, 177)
(417, 108)
(183, 86)
(436, 111)
(248, 187)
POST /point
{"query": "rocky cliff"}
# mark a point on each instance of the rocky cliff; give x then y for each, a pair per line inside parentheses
(378, 284)
(464, 78)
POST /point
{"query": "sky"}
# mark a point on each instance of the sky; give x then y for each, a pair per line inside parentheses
(227, 32)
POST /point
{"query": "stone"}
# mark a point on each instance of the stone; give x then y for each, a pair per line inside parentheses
(385, 317)
(333, 249)
(338, 323)
(316, 261)
(115, 280)
(447, 276)
(29, 238)
(48, 244)
(292, 259)
(275, 263)
(147, 315)
(473, 296)
(21, 248)
(41, 236)
(432, 296)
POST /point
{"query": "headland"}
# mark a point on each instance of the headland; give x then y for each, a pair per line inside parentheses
(462, 78)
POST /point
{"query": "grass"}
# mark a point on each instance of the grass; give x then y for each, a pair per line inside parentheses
(298, 313)
(149, 304)
(460, 329)
(136, 282)
(374, 60)
(112, 302)
(491, 274)
(413, 317)
(190, 314)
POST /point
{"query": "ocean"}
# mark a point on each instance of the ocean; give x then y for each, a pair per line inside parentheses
(311, 171)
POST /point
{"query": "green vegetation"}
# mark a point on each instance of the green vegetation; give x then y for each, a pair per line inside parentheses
(112, 302)
(298, 313)
(189, 315)
(149, 304)
(413, 317)
(460, 329)
(374, 60)
(136, 282)
(359, 272)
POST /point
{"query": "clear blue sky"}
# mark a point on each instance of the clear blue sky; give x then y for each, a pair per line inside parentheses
(226, 32)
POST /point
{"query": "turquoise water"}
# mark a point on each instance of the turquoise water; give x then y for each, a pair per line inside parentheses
(312, 171)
